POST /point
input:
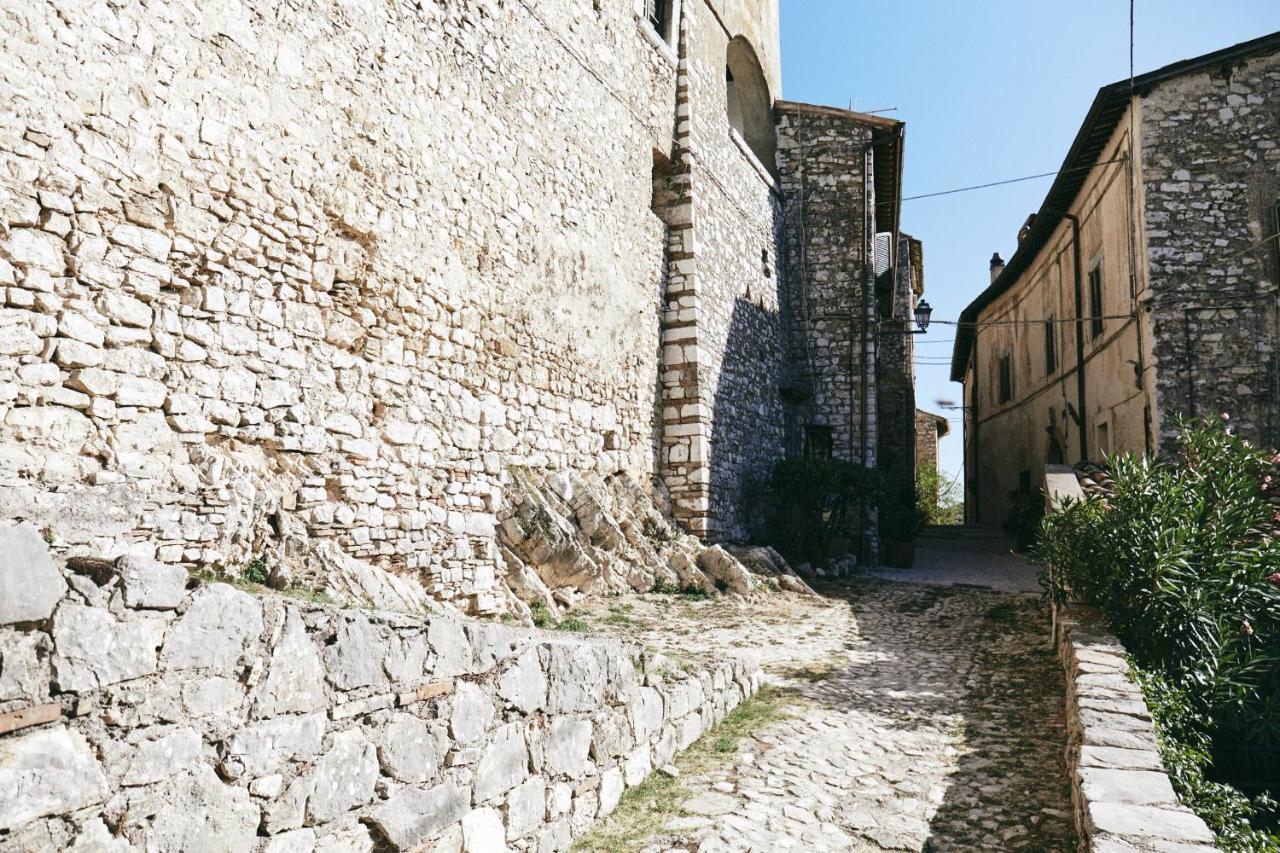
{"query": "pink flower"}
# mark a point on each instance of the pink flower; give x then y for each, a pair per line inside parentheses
(1246, 629)
(1225, 417)
(1274, 578)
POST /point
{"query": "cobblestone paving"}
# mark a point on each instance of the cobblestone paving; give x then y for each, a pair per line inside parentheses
(931, 720)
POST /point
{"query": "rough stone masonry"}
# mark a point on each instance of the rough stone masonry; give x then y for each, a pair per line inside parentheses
(139, 710)
(277, 276)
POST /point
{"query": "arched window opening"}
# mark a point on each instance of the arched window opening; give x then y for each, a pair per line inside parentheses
(748, 103)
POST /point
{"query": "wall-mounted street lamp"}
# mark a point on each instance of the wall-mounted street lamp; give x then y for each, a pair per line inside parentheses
(923, 312)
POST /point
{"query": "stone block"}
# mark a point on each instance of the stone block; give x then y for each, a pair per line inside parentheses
(47, 772)
(524, 684)
(482, 831)
(343, 777)
(470, 715)
(93, 649)
(295, 675)
(411, 749)
(414, 816)
(568, 741)
(504, 765)
(355, 657)
(147, 584)
(159, 758)
(30, 586)
(1146, 823)
(263, 748)
(215, 631)
(526, 807)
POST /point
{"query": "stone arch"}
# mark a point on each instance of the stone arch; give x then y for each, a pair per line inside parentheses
(748, 102)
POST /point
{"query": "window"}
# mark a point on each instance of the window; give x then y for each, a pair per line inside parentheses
(1004, 370)
(1104, 440)
(1275, 229)
(1024, 481)
(1095, 302)
(748, 104)
(818, 442)
(1050, 346)
(658, 13)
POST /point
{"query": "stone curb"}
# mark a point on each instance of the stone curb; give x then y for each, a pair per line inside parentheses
(1121, 792)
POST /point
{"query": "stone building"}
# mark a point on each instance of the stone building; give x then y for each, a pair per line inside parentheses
(328, 273)
(930, 429)
(1144, 289)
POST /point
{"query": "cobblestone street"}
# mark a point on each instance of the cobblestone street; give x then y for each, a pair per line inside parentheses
(930, 718)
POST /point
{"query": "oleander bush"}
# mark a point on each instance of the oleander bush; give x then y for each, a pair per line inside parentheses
(1183, 557)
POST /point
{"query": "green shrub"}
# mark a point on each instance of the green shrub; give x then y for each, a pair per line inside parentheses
(1022, 522)
(814, 505)
(936, 497)
(542, 616)
(1182, 559)
(256, 571)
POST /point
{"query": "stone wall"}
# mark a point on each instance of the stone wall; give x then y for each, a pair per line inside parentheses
(929, 431)
(895, 368)
(325, 271)
(827, 166)
(1211, 181)
(139, 709)
(1122, 795)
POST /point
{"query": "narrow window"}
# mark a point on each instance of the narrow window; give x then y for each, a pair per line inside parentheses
(1104, 440)
(817, 442)
(1005, 370)
(1050, 346)
(658, 13)
(1275, 231)
(732, 104)
(1095, 301)
(1024, 481)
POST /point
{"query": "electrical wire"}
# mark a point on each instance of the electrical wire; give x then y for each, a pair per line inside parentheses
(1013, 180)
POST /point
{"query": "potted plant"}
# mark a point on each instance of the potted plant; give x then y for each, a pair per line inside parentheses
(898, 526)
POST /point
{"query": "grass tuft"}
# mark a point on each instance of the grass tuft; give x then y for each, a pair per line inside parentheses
(648, 807)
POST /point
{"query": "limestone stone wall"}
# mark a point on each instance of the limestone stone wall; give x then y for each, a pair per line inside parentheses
(738, 226)
(1121, 792)
(827, 166)
(895, 369)
(141, 710)
(1211, 182)
(927, 437)
(325, 271)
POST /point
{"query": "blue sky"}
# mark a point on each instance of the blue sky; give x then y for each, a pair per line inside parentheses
(989, 90)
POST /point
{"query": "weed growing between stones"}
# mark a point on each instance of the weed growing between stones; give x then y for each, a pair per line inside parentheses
(246, 583)
(256, 571)
(544, 618)
(666, 587)
(645, 809)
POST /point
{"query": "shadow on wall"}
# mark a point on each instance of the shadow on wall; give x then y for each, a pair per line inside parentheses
(748, 421)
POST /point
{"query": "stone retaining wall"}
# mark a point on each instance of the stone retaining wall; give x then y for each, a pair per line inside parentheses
(1122, 794)
(142, 709)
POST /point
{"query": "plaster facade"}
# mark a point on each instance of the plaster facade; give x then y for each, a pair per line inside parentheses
(1176, 310)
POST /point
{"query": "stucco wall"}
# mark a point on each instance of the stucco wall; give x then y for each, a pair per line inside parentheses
(1014, 437)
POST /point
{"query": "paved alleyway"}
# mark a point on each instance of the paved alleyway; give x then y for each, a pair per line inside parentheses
(930, 720)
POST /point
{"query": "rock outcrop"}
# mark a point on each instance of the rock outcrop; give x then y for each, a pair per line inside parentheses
(564, 534)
